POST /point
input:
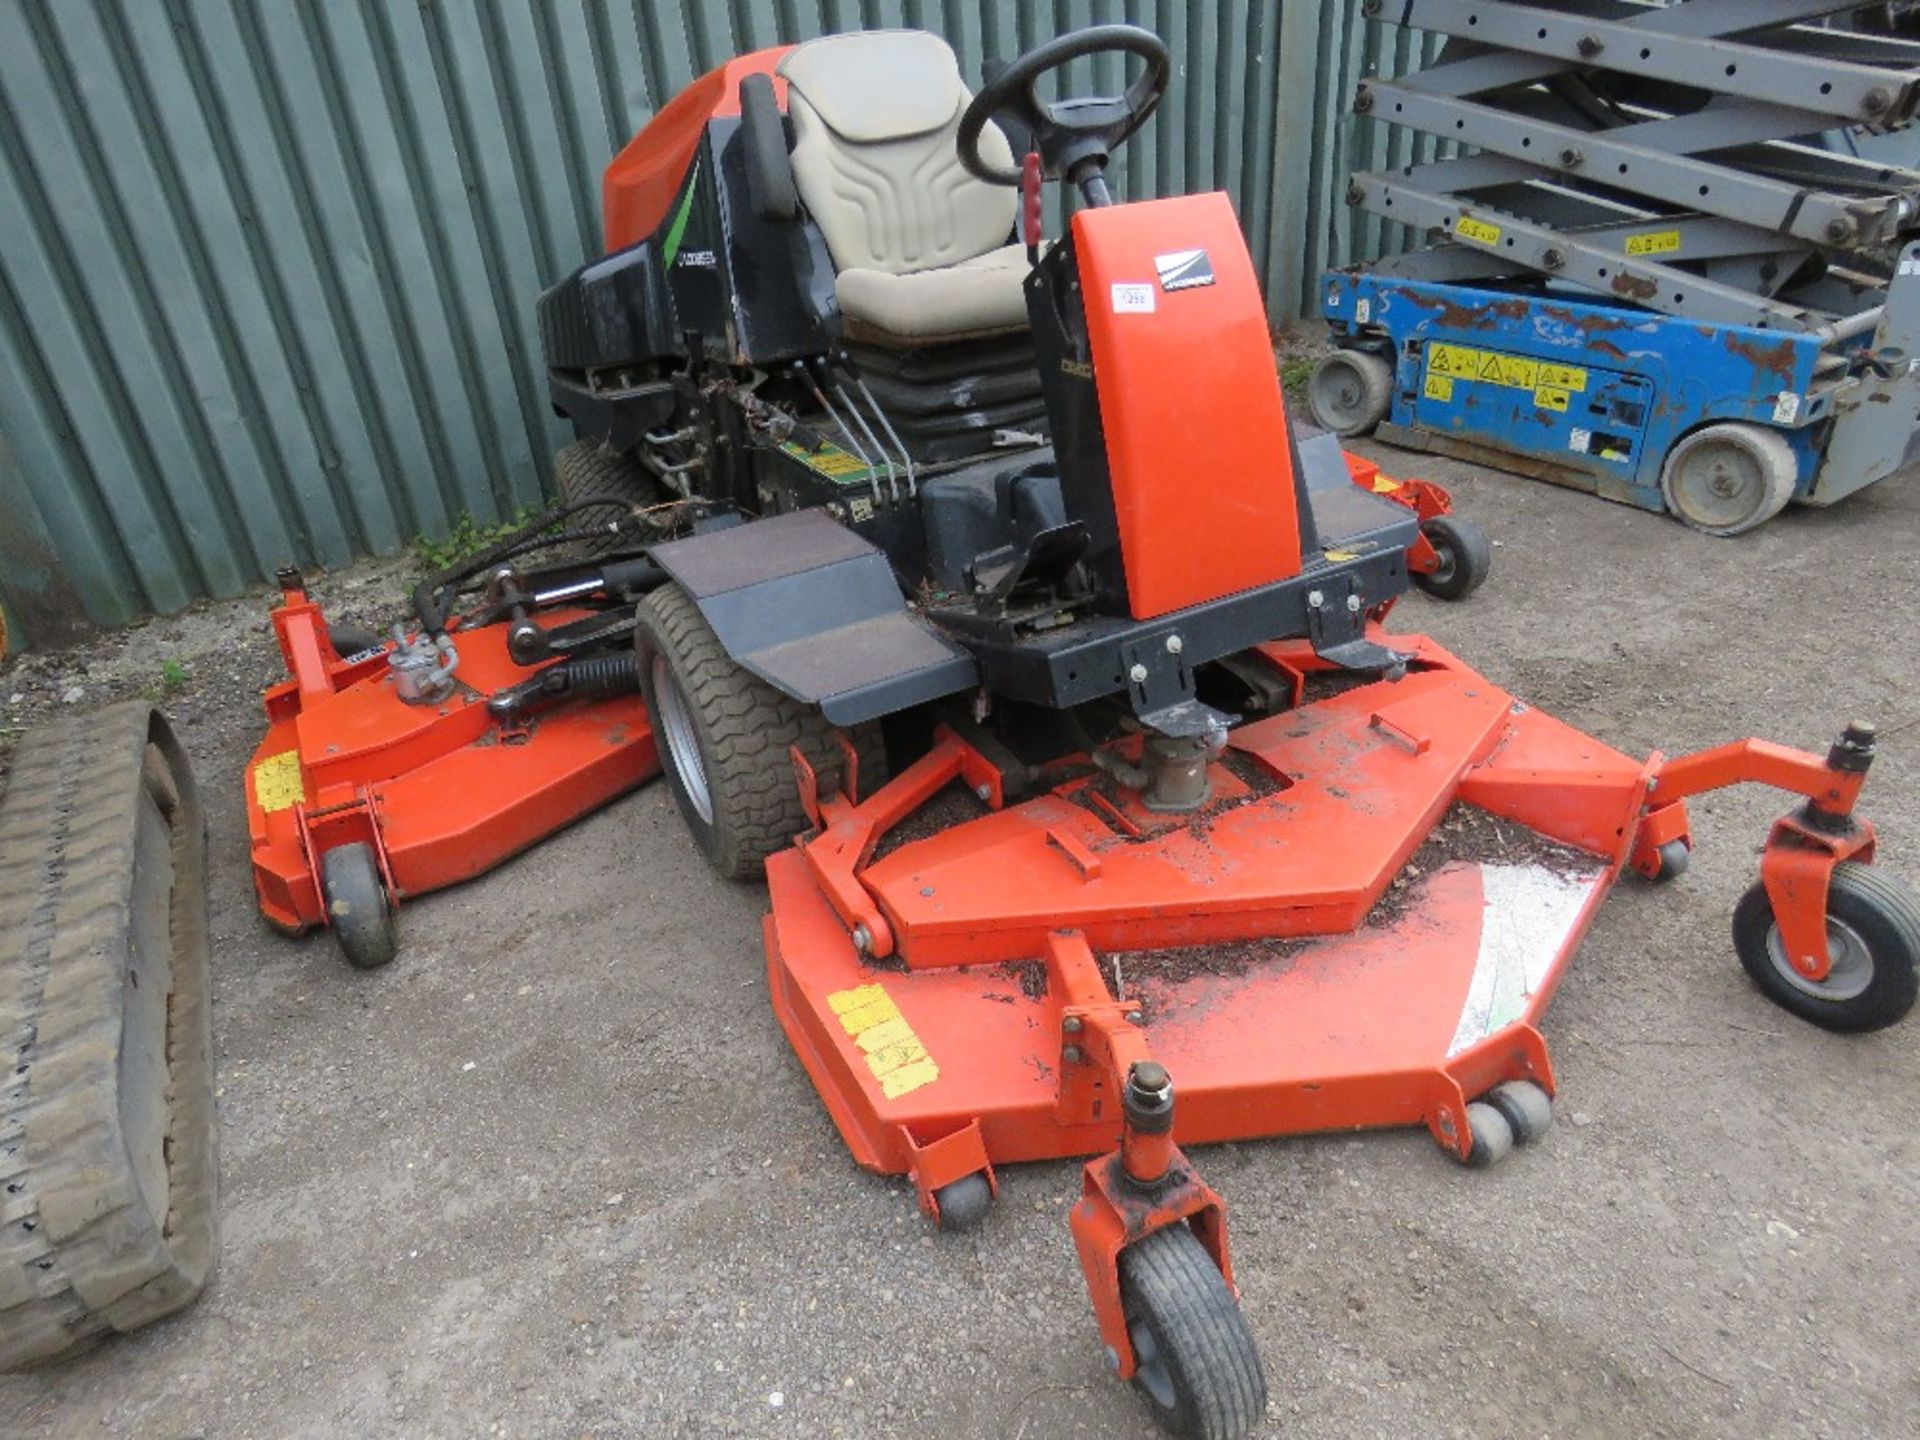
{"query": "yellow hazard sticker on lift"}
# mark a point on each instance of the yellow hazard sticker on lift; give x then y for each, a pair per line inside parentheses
(1437, 387)
(278, 783)
(893, 1052)
(829, 460)
(1654, 242)
(1495, 367)
(1472, 229)
(1551, 397)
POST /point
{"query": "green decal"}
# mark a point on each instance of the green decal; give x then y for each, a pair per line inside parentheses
(679, 227)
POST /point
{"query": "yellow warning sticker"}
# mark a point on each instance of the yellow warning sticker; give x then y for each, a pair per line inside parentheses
(1549, 397)
(278, 783)
(1494, 367)
(894, 1053)
(1438, 387)
(829, 460)
(1654, 242)
(1472, 229)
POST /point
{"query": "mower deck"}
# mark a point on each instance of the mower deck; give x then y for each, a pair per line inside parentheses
(1277, 952)
(439, 792)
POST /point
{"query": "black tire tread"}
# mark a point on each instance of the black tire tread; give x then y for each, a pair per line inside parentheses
(1895, 986)
(749, 727)
(587, 470)
(1169, 1279)
(81, 1251)
(1472, 556)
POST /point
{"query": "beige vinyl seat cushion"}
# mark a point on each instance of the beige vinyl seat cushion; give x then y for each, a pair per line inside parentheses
(920, 245)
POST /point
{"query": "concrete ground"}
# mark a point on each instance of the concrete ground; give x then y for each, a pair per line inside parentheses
(555, 1172)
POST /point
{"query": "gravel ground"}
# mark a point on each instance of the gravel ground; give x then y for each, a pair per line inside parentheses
(555, 1173)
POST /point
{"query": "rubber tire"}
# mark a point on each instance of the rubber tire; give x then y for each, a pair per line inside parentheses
(108, 1155)
(1674, 857)
(1525, 1106)
(964, 1203)
(350, 639)
(1884, 912)
(1772, 455)
(1170, 1288)
(744, 728)
(359, 910)
(1349, 392)
(1492, 1135)
(1466, 557)
(586, 470)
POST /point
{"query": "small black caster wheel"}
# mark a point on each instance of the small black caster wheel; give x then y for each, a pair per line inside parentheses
(1198, 1368)
(1492, 1135)
(1525, 1107)
(1672, 858)
(358, 910)
(1466, 557)
(964, 1203)
(1873, 937)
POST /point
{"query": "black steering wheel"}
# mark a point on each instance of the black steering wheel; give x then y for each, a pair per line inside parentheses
(1074, 137)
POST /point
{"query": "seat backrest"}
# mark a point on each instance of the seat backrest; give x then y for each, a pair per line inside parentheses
(874, 116)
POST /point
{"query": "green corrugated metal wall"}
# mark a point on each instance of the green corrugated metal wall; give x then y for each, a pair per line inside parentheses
(267, 267)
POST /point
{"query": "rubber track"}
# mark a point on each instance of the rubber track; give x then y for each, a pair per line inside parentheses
(584, 470)
(81, 1253)
(1172, 1278)
(751, 727)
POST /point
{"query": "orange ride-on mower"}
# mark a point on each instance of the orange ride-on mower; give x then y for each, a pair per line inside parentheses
(986, 603)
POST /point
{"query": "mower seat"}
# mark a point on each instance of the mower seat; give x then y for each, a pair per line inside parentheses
(919, 245)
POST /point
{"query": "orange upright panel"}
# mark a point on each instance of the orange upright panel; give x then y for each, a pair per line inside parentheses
(1190, 401)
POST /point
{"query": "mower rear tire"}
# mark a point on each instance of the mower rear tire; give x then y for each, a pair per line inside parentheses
(108, 1165)
(587, 470)
(1350, 391)
(1873, 937)
(359, 911)
(725, 734)
(1729, 478)
(1198, 1367)
(964, 1203)
(1466, 557)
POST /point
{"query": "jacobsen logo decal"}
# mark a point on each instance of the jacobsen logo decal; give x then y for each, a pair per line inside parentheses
(1184, 270)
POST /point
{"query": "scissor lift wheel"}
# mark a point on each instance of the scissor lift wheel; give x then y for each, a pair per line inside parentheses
(1199, 1370)
(1727, 479)
(1873, 939)
(1349, 392)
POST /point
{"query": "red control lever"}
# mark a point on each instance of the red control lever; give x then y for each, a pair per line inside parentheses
(1030, 200)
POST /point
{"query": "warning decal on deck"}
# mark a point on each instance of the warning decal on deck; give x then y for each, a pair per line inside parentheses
(1654, 242)
(1530, 915)
(278, 783)
(1496, 367)
(894, 1053)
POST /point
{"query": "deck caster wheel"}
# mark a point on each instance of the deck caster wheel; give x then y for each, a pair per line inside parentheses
(1492, 1133)
(1673, 858)
(1349, 392)
(1873, 936)
(1525, 1107)
(359, 912)
(1466, 557)
(1198, 1368)
(964, 1203)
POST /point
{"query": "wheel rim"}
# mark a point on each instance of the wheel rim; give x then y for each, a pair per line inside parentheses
(1442, 574)
(1847, 978)
(1719, 484)
(1150, 1367)
(683, 747)
(1339, 393)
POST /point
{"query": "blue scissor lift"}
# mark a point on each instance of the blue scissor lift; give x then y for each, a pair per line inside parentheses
(1648, 278)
